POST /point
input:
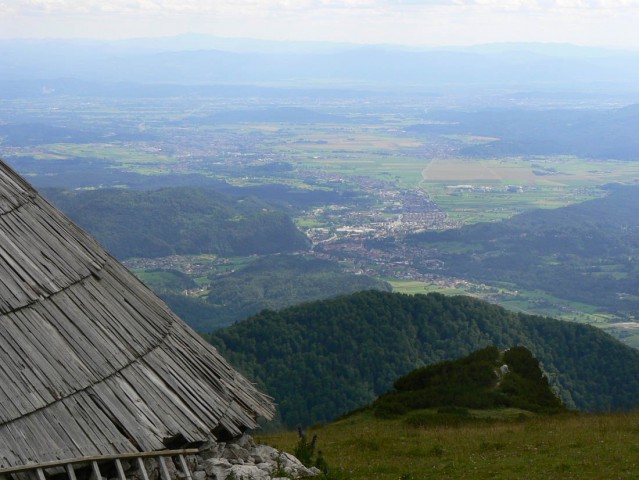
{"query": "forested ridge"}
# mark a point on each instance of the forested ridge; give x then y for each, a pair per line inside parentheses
(168, 221)
(585, 252)
(273, 282)
(321, 359)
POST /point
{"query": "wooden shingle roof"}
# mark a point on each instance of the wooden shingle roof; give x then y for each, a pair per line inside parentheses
(91, 361)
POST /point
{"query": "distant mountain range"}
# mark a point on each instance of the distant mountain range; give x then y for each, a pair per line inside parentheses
(36, 66)
(589, 133)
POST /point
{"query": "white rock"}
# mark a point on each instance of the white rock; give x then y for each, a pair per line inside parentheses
(234, 451)
(267, 467)
(249, 472)
(199, 475)
(246, 441)
(264, 453)
(216, 467)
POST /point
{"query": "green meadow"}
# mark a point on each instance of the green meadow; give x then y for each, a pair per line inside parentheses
(491, 445)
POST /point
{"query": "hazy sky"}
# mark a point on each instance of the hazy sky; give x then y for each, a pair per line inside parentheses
(414, 22)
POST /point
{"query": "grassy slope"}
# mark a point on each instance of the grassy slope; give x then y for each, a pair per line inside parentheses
(558, 447)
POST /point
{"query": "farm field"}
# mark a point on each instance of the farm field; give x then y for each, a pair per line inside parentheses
(186, 136)
(344, 172)
(476, 190)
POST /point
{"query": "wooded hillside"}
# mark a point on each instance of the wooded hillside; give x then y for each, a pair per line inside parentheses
(168, 221)
(584, 252)
(270, 282)
(321, 359)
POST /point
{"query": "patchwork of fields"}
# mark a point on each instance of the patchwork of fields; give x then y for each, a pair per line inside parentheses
(374, 174)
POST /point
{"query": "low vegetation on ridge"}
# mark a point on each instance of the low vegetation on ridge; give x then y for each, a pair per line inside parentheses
(484, 379)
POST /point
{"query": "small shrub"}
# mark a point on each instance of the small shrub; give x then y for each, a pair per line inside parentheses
(436, 450)
(390, 409)
(305, 453)
(452, 410)
(320, 463)
(491, 446)
(304, 450)
(422, 419)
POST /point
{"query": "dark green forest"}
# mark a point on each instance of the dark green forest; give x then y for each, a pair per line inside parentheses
(272, 282)
(585, 252)
(168, 221)
(322, 359)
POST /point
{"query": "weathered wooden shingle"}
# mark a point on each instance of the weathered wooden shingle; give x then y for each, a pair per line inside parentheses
(92, 362)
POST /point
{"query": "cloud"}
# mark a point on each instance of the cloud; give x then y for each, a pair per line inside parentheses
(261, 7)
(417, 22)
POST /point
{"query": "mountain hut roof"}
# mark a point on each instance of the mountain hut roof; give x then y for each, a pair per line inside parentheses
(91, 361)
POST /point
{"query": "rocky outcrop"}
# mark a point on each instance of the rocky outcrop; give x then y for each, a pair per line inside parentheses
(239, 459)
(244, 459)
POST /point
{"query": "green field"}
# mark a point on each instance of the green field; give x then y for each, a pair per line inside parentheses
(336, 154)
(566, 180)
(372, 160)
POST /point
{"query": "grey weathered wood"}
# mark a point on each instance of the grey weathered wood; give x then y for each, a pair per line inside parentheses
(70, 471)
(95, 468)
(95, 459)
(93, 362)
(142, 468)
(185, 467)
(164, 472)
(120, 470)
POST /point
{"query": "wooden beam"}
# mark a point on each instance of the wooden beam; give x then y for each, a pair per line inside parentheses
(70, 471)
(118, 467)
(96, 470)
(164, 472)
(145, 475)
(185, 467)
(98, 458)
